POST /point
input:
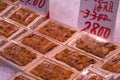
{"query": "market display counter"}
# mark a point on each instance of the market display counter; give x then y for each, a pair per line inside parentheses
(35, 48)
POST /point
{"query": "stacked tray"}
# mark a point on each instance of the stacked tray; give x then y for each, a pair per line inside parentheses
(18, 55)
(47, 69)
(24, 17)
(57, 31)
(9, 31)
(94, 46)
(38, 42)
(73, 58)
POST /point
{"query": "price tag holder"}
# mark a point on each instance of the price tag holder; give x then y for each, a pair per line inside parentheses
(98, 17)
(40, 6)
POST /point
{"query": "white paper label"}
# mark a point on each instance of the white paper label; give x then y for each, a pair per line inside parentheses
(98, 17)
(40, 6)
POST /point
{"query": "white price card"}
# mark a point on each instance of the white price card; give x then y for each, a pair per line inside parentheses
(40, 6)
(98, 17)
(65, 11)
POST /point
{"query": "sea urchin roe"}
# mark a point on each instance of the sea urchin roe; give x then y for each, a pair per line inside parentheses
(100, 49)
(113, 65)
(49, 71)
(57, 31)
(7, 29)
(17, 54)
(39, 43)
(23, 16)
(74, 59)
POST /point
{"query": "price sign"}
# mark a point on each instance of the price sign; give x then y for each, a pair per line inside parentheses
(40, 6)
(98, 17)
(65, 11)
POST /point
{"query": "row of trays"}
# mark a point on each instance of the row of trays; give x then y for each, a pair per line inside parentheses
(49, 50)
(66, 54)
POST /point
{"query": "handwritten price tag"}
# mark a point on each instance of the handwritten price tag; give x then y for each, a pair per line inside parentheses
(40, 6)
(98, 17)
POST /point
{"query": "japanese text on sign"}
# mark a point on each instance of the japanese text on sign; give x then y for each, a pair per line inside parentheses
(98, 17)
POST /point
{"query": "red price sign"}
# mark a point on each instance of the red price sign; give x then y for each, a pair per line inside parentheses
(98, 17)
(40, 6)
(39, 3)
(97, 29)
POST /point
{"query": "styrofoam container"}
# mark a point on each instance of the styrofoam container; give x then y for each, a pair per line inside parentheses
(38, 56)
(72, 44)
(28, 71)
(30, 25)
(22, 74)
(49, 20)
(41, 35)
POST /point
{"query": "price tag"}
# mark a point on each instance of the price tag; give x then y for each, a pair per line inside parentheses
(40, 6)
(98, 17)
(65, 11)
